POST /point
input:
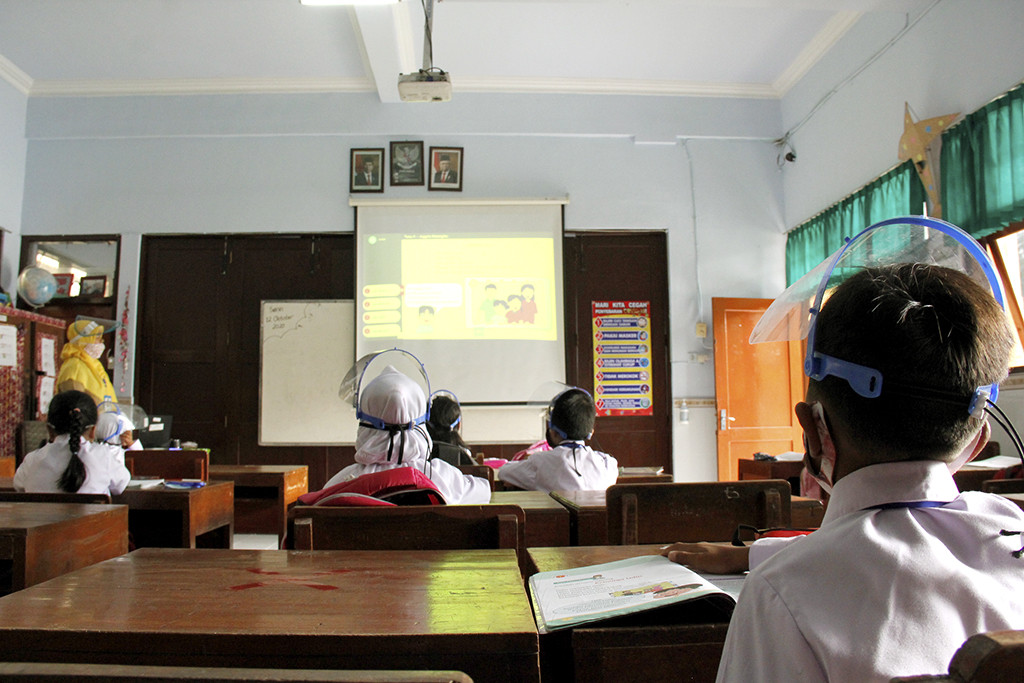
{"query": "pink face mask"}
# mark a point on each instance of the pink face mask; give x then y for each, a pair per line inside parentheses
(817, 479)
(95, 350)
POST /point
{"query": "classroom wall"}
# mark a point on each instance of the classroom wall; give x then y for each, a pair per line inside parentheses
(243, 164)
(14, 146)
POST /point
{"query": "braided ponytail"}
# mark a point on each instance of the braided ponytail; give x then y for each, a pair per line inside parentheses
(72, 413)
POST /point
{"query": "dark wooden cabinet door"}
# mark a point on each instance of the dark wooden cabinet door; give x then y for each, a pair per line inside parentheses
(621, 267)
(199, 334)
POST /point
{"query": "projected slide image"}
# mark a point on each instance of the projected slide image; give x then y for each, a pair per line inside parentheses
(461, 288)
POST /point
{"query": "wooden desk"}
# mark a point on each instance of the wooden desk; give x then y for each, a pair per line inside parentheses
(588, 516)
(970, 476)
(176, 518)
(463, 610)
(547, 521)
(263, 494)
(1015, 498)
(638, 648)
(7, 466)
(767, 469)
(7, 483)
(806, 513)
(39, 541)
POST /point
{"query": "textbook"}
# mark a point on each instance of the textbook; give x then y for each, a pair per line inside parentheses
(567, 598)
(144, 482)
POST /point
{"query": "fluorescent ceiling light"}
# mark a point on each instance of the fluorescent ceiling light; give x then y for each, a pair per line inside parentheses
(348, 2)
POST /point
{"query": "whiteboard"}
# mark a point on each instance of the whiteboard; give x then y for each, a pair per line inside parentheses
(306, 347)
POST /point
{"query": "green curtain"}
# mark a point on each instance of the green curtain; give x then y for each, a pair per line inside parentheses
(897, 193)
(982, 167)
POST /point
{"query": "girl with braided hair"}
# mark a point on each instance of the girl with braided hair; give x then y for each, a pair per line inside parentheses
(72, 463)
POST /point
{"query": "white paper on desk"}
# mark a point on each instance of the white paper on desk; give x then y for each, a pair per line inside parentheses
(997, 462)
(8, 346)
(789, 456)
(48, 351)
(584, 594)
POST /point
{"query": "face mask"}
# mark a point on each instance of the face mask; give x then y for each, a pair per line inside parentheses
(966, 453)
(95, 350)
(812, 480)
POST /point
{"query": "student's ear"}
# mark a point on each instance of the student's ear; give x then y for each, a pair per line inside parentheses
(986, 433)
(812, 440)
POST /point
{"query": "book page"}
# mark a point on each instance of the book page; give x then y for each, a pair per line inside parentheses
(584, 594)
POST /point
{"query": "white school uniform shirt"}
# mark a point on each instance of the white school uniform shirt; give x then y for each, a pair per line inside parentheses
(570, 466)
(41, 470)
(879, 593)
(396, 399)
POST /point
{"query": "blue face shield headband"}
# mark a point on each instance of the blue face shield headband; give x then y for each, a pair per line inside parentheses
(361, 374)
(912, 239)
(454, 399)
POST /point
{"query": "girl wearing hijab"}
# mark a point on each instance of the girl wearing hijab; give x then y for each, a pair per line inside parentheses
(393, 436)
(80, 368)
(72, 463)
(115, 429)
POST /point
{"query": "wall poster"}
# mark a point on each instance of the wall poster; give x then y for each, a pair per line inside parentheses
(622, 357)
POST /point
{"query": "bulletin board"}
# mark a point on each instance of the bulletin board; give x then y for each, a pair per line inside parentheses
(306, 347)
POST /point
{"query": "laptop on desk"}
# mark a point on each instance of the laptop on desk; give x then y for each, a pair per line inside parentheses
(156, 434)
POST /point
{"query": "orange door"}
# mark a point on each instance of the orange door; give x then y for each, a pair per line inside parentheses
(756, 387)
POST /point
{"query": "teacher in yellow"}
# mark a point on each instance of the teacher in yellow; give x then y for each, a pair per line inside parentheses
(80, 367)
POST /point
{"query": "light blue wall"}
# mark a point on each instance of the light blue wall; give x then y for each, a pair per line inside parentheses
(13, 147)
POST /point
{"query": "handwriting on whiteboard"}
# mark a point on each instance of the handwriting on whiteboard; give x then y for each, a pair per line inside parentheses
(279, 320)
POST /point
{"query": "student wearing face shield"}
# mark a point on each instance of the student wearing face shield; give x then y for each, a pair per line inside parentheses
(80, 368)
(904, 359)
(392, 433)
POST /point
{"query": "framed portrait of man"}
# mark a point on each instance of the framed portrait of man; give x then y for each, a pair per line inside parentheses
(407, 162)
(446, 168)
(367, 169)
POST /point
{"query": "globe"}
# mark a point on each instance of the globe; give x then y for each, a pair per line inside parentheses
(36, 286)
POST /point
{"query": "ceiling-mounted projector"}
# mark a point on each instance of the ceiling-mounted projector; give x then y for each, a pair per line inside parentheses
(425, 86)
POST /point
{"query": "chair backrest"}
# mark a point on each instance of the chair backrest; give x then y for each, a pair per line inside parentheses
(413, 527)
(169, 464)
(711, 511)
(26, 497)
(32, 435)
(482, 471)
(994, 657)
(1003, 486)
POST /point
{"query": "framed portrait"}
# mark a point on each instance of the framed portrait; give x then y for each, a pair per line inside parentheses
(446, 168)
(367, 170)
(407, 163)
(64, 281)
(94, 285)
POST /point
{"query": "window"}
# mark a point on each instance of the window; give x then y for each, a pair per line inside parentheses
(1007, 250)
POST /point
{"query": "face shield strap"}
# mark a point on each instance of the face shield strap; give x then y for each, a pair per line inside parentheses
(866, 381)
(392, 430)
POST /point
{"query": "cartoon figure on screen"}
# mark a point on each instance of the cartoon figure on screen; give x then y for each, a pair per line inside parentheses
(392, 411)
(570, 465)
(500, 312)
(515, 309)
(487, 310)
(426, 320)
(528, 312)
(72, 463)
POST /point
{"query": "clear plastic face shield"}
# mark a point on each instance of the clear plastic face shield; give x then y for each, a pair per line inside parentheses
(128, 417)
(367, 368)
(912, 239)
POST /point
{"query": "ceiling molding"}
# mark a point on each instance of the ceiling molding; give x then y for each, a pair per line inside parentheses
(198, 86)
(827, 37)
(612, 86)
(15, 76)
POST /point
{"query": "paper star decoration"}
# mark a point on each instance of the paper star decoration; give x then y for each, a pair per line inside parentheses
(917, 136)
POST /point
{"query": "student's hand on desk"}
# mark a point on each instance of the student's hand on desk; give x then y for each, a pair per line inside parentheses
(710, 558)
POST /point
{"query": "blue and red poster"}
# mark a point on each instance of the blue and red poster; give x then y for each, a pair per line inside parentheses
(623, 380)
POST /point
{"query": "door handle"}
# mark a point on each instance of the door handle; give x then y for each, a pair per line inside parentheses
(724, 420)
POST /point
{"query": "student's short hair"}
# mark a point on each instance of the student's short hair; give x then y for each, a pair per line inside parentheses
(574, 413)
(935, 335)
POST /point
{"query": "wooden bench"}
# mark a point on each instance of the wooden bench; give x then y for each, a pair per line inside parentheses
(34, 672)
(169, 464)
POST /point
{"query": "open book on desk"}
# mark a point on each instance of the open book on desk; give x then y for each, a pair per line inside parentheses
(567, 598)
(145, 482)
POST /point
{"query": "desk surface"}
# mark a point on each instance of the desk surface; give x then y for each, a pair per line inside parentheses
(552, 559)
(547, 520)
(44, 540)
(462, 610)
(588, 516)
(263, 494)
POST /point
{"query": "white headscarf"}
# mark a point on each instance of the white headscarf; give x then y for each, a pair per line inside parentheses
(110, 425)
(397, 400)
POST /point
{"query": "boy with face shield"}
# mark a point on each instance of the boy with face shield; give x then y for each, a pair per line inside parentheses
(903, 360)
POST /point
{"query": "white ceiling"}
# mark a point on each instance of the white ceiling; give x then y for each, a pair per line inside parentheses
(745, 48)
